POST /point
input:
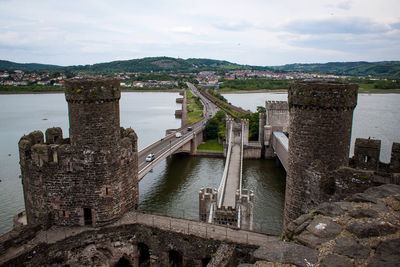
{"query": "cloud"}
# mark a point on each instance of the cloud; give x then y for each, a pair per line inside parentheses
(233, 26)
(395, 26)
(340, 25)
(346, 5)
(182, 29)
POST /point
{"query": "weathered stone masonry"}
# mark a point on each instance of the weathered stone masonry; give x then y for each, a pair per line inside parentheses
(89, 178)
(321, 117)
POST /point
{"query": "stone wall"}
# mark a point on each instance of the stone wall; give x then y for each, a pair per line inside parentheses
(137, 244)
(363, 231)
(321, 117)
(276, 120)
(89, 178)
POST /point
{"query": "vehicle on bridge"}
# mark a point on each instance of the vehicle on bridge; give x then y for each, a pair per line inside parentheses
(150, 157)
(178, 135)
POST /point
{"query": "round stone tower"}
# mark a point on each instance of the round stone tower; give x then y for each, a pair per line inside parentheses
(321, 115)
(90, 178)
(93, 107)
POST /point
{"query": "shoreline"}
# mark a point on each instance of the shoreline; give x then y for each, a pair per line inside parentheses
(278, 91)
(62, 92)
(281, 91)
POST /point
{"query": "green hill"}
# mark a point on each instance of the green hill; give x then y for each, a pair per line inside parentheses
(8, 65)
(156, 64)
(383, 69)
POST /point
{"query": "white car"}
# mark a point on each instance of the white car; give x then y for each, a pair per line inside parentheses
(178, 135)
(150, 157)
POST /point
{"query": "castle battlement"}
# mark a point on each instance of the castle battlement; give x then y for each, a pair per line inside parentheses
(366, 156)
(276, 105)
(246, 196)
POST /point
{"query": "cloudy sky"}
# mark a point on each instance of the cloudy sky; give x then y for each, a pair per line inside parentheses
(256, 32)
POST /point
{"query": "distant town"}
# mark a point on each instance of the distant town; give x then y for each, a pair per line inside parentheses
(130, 79)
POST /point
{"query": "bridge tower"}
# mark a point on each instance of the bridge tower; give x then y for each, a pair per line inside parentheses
(90, 178)
(320, 122)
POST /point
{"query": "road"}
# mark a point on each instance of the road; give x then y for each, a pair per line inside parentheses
(166, 146)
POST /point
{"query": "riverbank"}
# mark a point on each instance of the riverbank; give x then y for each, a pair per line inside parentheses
(281, 91)
(17, 92)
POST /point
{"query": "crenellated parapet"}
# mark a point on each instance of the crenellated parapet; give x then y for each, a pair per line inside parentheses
(366, 157)
(90, 178)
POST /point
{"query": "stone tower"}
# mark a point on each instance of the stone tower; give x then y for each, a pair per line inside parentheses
(321, 115)
(90, 178)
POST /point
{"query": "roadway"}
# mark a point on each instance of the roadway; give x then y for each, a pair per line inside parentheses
(167, 145)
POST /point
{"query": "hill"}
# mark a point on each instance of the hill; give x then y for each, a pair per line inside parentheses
(383, 69)
(156, 64)
(8, 65)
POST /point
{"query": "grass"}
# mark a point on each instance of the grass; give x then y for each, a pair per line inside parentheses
(211, 145)
(194, 108)
(30, 88)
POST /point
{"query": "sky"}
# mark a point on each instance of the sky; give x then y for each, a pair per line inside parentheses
(254, 32)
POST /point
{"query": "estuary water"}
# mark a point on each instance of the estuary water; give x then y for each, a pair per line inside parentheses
(172, 188)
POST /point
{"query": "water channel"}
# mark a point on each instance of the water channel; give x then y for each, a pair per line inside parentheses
(172, 188)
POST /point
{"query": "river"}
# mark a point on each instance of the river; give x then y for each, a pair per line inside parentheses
(172, 188)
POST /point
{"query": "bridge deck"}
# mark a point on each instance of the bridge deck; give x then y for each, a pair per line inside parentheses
(232, 181)
(280, 144)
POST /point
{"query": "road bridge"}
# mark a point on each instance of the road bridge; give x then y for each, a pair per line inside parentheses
(170, 144)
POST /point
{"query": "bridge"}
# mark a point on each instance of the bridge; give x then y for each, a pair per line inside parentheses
(230, 204)
(189, 141)
(169, 145)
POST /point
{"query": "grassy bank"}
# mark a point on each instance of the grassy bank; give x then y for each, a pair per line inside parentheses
(211, 145)
(194, 108)
(8, 89)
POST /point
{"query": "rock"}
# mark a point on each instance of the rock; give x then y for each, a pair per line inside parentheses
(271, 264)
(303, 219)
(298, 225)
(383, 190)
(325, 228)
(361, 197)
(379, 207)
(308, 239)
(351, 248)
(335, 260)
(246, 265)
(369, 229)
(363, 213)
(289, 253)
(387, 254)
(329, 209)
